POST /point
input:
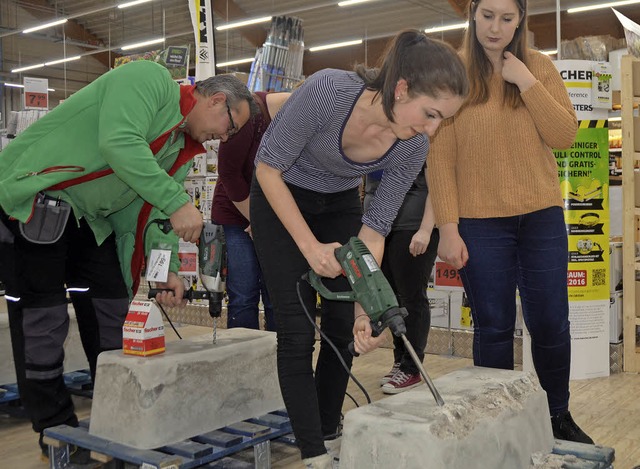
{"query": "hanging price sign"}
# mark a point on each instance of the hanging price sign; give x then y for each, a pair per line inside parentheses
(446, 276)
(36, 95)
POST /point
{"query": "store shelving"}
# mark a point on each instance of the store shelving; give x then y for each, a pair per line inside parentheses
(630, 97)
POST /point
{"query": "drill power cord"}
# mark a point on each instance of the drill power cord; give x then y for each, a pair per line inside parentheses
(332, 345)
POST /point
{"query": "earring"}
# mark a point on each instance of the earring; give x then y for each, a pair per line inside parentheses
(397, 98)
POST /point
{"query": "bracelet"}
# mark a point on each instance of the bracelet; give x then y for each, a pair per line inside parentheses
(359, 316)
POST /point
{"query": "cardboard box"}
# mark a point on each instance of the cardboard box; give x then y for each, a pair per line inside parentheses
(615, 318)
(143, 330)
(615, 266)
(439, 307)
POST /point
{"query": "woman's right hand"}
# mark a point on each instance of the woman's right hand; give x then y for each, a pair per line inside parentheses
(452, 248)
(322, 259)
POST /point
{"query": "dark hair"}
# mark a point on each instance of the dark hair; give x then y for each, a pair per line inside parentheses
(479, 66)
(231, 87)
(429, 67)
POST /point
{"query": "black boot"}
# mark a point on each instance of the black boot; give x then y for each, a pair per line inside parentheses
(564, 428)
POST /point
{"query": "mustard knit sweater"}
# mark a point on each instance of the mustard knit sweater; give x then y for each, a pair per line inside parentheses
(491, 160)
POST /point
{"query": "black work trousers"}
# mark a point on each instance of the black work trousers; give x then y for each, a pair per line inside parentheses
(37, 278)
(408, 276)
(313, 402)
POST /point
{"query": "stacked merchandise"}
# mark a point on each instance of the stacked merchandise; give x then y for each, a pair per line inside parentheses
(200, 184)
(278, 63)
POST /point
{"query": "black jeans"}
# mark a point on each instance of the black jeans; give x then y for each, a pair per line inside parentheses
(37, 279)
(408, 276)
(313, 403)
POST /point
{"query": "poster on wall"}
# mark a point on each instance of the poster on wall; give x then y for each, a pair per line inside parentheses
(583, 171)
(174, 58)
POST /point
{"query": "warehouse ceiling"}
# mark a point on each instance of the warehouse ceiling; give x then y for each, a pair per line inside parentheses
(97, 29)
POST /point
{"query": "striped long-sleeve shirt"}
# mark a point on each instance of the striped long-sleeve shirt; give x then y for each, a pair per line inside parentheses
(304, 141)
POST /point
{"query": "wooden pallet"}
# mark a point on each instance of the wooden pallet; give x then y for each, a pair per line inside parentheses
(77, 382)
(211, 450)
(583, 456)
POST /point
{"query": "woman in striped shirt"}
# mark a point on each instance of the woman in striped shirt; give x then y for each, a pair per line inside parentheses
(337, 127)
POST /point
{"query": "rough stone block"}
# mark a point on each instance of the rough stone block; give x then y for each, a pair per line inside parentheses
(194, 387)
(491, 419)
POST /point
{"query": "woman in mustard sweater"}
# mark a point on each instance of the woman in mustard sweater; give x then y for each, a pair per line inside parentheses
(497, 199)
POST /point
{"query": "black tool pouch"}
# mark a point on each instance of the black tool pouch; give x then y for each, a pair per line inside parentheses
(48, 221)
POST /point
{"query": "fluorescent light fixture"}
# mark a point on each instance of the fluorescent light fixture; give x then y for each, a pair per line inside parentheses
(235, 62)
(348, 3)
(17, 85)
(615, 119)
(44, 26)
(59, 61)
(131, 4)
(30, 67)
(239, 24)
(449, 27)
(142, 44)
(549, 51)
(335, 45)
(602, 5)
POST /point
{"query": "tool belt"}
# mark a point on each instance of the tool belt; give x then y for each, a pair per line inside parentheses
(48, 221)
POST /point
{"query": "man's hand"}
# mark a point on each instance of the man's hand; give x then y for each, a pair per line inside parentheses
(187, 222)
(173, 297)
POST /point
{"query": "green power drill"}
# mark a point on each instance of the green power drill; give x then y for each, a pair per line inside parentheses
(372, 291)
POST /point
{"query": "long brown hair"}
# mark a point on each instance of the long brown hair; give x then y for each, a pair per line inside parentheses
(429, 66)
(479, 66)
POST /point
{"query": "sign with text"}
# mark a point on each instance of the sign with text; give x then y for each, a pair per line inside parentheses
(446, 276)
(36, 94)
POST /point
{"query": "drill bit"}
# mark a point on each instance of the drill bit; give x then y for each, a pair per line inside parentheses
(215, 330)
(423, 372)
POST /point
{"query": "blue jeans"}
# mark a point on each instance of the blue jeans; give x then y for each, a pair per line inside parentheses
(529, 252)
(244, 282)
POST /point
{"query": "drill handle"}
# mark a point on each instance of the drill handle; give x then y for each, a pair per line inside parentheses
(375, 332)
(316, 282)
(189, 294)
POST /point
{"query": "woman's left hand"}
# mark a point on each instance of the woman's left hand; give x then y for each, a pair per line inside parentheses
(362, 339)
(419, 242)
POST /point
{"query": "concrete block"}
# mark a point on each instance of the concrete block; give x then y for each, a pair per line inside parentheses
(194, 387)
(74, 357)
(491, 418)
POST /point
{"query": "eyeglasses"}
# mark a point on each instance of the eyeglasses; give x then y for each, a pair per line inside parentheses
(232, 130)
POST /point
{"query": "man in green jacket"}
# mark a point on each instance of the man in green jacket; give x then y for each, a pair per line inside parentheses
(111, 157)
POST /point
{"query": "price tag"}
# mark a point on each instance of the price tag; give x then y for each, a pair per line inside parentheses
(36, 95)
(158, 270)
(446, 276)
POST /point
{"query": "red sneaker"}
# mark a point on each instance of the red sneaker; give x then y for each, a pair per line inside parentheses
(401, 382)
(392, 372)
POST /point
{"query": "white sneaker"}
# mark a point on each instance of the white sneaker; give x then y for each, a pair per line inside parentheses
(324, 461)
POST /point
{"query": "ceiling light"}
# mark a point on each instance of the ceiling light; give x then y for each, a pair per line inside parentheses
(59, 61)
(348, 3)
(601, 5)
(17, 85)
(130, 4)
(235, 62)
(335, 45)
(44, 26)
(449, 27)
(142, 44)
(549, 52)
(30, 67)
(239, 24)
